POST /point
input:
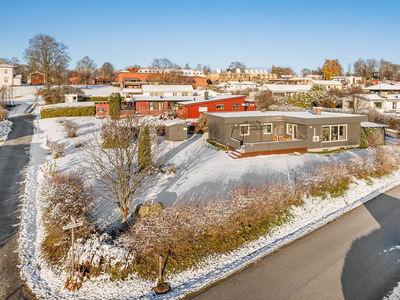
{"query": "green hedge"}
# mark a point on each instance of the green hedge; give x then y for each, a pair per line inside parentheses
(68, 111)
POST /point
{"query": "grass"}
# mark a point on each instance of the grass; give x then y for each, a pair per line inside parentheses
(217, 146)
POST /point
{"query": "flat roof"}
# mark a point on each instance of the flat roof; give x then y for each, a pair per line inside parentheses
(373, 125)
(200, 99)
(287, 87)
(299, 114)
(167, 88)
(383, 86)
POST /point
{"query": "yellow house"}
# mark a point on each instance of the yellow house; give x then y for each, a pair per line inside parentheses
(329, 84)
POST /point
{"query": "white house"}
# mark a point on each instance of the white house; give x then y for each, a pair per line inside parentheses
(241, 85)
(349, 80)
(159, 90)
(8, 76)
(329, 84)
(286, 89)
(382, 88)
(384, 103)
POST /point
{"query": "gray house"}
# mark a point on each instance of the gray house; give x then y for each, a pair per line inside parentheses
(254, 133)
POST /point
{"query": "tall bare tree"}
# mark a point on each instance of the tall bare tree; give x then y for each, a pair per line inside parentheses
(359, 68)
(237, 65)
(85, 68)
(44, 54)
(112, 159)
(305, 71)
(356, 100)
(107, 70)
(371, 65)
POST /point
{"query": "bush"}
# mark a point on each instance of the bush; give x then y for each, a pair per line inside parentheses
(3, 114)
(115, 106)
(160, 130)
(56, 94)
(56, 149)
(118, 134)
(68, 111)
(64, 195)
(70, 128)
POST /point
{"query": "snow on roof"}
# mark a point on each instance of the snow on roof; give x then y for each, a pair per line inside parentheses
(298, 114)
(4, 65)
(202, 100)
(288, 87)
(326, 82)
(373, 125)
(167, 88)
(383, 86)
(241, 82)
(377, 97)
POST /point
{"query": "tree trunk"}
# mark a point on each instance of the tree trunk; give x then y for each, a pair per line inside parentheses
(124, 215)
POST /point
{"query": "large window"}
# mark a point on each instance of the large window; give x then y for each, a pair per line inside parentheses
(291, 129)
(378, 105)
(244, 129)
(220, 106)
(267, 128)
(235, 106)
(333, 133)
(5, 71)
(156, 105)
(174, 105)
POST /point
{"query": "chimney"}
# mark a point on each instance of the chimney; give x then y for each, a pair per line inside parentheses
(317, 110)
(384, 94)
(205, 95)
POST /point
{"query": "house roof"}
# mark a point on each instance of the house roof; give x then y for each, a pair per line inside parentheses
(383, 86)
(167, 88)
(241, 82)
(298, 114)
(200, 99)
(373, 125)
(326, 82)
(377, 97)
(4, 65)
(288, 87)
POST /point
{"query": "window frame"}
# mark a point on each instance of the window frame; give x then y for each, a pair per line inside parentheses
(236, 106)
(223, 107)
(248, 129)
(271, 130)
(330, 133)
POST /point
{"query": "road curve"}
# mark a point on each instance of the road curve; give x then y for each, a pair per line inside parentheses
(349, 258)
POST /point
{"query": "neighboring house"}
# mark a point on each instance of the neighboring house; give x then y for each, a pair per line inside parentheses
(282, 90)
(383, 88)
(36, 78)
(329, 84)
(187, 106)
(384, 102)
(8, 76)
(240, 85)
(274, 132)
(237, 75)
(137, 77)
(159, 90)
(349, 80)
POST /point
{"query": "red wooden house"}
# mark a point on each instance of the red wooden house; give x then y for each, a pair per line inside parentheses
(188, 106)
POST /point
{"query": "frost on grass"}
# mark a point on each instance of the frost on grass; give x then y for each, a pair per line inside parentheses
(5, 128)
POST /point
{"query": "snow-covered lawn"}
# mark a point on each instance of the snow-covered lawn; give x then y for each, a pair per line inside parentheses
(201, 170)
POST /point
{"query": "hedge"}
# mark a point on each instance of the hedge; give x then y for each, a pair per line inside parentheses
(68, 111)
(99, 98)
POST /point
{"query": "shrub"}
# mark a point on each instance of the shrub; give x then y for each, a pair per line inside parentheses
(3, 114)
(168, 115)
(56, 149)
(68, 111)
(144, 148)
(56, 94)
(70, 128)
(115, 106)
(64, 195)
(118, 134)
(160, 130)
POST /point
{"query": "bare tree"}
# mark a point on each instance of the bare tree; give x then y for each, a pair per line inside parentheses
(356, 100)
(237, 65)
(44, 54)
(305, 71)
(370, 65)
(265, 99)
(85, 68)
(107, 70)
(112, 160)
(359, 67)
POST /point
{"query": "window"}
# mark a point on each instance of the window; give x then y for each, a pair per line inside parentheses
(378, 105)
(267, 128)
(101, 109)
(333, 133)
(235, 106)
(203, 109)
(244, 129)
(220, 106)
(5, 71)
(174, 105)
(185, 94)
(5, 79)
(156, 105)
(291, 129)
(174, 94)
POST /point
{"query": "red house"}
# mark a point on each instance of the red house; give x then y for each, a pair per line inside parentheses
(188, 106)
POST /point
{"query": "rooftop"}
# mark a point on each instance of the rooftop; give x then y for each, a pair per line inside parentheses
(383, 86)
(167, 88)
(287, 87)
(326, 82)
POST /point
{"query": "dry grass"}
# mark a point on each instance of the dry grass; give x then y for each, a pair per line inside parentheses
(56, 149)
(71, 128)
(3, 114)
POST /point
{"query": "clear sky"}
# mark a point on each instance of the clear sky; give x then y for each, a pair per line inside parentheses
(287, 33)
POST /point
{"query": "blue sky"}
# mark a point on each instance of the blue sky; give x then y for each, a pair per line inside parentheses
(295, 34)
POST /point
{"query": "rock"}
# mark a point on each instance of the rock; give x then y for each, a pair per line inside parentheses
(144, 209)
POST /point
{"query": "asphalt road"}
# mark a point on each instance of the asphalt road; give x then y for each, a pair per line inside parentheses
(350, 258)
(14, 157)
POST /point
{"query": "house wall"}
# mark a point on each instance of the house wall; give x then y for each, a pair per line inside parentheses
(196, 109)
(6, 79)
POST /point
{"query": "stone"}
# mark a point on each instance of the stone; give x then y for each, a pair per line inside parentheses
(144, 209)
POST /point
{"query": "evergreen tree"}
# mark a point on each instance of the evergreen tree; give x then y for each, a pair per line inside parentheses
(115, 106)
(144, 150)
